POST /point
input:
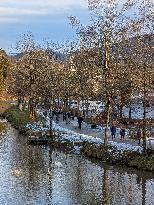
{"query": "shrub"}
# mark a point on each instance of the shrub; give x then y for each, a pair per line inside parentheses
(17, 117)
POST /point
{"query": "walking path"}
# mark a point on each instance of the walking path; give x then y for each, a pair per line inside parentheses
(97, 133)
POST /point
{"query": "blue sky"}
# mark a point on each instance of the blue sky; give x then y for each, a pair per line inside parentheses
(45, 19)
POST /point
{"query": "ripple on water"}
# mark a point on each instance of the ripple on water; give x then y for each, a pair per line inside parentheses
(40, 175)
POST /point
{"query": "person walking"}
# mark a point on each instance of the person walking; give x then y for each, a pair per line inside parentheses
(80, 120)
(45, 113)
(122, 133)
(57, 117)
(113, 131)
(68, 117)
(64, 115)
(139, 135)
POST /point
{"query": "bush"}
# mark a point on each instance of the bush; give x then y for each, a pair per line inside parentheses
(17, 117)
(144, 162)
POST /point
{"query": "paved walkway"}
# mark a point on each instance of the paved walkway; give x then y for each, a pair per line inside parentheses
(87, 130)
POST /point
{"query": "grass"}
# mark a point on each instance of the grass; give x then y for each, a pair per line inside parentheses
(19, 118)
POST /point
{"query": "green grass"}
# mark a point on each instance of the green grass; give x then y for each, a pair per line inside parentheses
(17, 117)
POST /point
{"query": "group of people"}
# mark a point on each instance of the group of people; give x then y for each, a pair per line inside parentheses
(123, 133)
(68, 116)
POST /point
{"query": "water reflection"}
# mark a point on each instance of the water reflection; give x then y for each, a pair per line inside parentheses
(41, 175)
(106, 192)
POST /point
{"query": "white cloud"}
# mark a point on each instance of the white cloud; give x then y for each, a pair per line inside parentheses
(19, 8)
(46, 4)
(45, 18)
(8, 11)
(53, 3)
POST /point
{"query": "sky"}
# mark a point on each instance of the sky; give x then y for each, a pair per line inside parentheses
(46, 19)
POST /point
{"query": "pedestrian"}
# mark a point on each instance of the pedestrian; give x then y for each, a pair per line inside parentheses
(113, 131)
(57, 117)
(122, 133)
(45, 113)
(80, 120)
(67, 119)
(64, 115)
(72, 115)
(68, 116)
(139, 135)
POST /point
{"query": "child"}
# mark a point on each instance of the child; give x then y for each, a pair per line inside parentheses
(122, 133)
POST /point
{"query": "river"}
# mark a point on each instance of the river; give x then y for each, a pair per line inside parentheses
(41, 175)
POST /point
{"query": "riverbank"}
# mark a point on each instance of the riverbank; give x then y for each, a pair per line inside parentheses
(116, 153)
(122, 157)
(16, 117)
(19, 119)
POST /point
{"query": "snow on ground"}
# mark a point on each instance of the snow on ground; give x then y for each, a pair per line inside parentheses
(67, 134)
(72, 136)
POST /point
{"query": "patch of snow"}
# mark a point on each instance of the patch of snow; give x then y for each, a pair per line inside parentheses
(72, 136)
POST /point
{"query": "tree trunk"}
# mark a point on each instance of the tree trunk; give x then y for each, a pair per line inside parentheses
(66, 102)
(83, 106)
(144, 114)
(144, 126)
(50, 115)
(20, 103)
(130, 112)
(106, 188)
(120, 111)
(108, 107)
(31, 109)
(87, 108)
(78, 100)
(143, 191)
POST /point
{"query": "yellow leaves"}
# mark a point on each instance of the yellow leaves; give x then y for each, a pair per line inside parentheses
(4, 64)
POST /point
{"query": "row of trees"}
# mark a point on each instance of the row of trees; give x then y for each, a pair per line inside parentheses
(111, 60)
(4, 65)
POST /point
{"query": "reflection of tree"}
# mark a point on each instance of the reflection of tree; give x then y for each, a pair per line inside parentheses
(30, 160)
(34, 167)
(106, 185)
(50, 177)
(130, 190)
(77, 186)
(141, 181)
(143, 191)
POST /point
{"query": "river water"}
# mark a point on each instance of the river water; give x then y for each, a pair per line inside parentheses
(41, 175)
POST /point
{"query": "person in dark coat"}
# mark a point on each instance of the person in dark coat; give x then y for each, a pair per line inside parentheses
(68, 117)
(64, 116)
(122, 133)
(80, 120)
(57, 117)
(45, 113)
(139, 135)
(113, 131)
